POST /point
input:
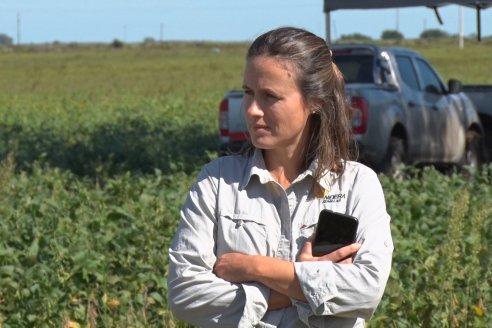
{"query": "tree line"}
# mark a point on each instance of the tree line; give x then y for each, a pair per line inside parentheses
(433, 33)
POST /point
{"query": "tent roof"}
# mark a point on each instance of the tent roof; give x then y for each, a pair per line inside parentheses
(330, 5)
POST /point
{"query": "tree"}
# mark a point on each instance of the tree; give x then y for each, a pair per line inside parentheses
(149, 40)
(391, 35)
(434, 33)
(355, 37)
(117, 43)
(5, 40)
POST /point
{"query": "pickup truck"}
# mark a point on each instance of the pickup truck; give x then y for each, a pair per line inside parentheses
(402, 111)
(481, 97)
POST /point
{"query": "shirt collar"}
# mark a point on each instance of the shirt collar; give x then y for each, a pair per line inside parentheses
(256, 166)
(322, 187)
(328, 178)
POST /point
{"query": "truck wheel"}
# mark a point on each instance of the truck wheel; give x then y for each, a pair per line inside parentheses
(395, 157)
(472, 157)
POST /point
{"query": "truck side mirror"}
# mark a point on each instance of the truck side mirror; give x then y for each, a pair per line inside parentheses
(454, 86)
(432, 89)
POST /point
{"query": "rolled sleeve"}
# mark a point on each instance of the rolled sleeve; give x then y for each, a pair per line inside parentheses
(196, 294)
(344, 290)
(352, 290)
(256, 304)
(314, 283)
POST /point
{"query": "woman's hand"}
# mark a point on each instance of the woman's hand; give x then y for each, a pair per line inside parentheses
(234, 267)
(342, 255)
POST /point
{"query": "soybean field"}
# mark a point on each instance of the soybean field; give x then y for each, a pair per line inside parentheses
(99, 146)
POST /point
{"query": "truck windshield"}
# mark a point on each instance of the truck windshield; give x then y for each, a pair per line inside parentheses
(355, 68)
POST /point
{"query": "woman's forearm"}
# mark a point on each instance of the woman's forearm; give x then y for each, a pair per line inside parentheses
(278, 301)
(276, 274)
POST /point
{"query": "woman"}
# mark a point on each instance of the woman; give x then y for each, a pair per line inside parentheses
(242, 255)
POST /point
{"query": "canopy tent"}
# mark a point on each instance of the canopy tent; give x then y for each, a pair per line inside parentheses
(330, 5)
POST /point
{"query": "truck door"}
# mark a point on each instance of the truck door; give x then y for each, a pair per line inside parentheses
(446, 132)
(416, 115)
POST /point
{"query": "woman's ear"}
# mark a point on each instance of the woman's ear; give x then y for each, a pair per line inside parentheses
(315, 107)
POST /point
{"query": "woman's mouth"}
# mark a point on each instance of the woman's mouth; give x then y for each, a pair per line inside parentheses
(260, 127)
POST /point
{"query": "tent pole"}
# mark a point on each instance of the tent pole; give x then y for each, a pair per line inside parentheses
(328, 27)
(438, 16)
(479, 25)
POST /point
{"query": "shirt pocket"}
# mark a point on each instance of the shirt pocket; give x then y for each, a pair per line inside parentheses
(242, 233)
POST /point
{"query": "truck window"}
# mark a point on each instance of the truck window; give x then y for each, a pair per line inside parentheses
(430, 80)
(407, 72)
(355, 68)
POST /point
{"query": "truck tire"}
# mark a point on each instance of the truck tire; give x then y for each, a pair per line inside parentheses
(395, 157)
(473, 155)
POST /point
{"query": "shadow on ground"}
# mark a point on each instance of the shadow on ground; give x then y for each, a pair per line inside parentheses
(128, 145)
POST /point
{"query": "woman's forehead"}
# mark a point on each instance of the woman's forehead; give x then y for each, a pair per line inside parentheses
(271, 66)
(283, 62)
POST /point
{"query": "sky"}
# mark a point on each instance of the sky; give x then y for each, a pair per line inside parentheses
(44, 21)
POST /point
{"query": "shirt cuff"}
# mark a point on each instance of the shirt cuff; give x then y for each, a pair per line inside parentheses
(256, 304)
(303, 311)
(318, 288)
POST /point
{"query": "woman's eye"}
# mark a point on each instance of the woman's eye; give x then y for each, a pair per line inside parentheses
(248, 92)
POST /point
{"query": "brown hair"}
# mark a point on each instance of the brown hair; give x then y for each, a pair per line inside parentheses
(322, 86)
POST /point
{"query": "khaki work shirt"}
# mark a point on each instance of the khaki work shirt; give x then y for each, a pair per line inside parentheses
(236, 206)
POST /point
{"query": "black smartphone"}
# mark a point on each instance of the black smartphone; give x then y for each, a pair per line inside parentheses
(334, 230)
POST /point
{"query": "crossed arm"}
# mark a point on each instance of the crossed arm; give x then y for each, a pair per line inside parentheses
(277, 274)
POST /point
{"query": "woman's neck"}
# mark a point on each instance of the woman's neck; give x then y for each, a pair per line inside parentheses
(283, 166)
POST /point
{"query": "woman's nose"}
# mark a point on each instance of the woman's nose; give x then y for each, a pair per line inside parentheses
(252, 108)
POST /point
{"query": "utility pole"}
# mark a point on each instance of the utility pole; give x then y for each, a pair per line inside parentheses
(161, 37)
(397, 20)
(18, 29)
(461, 29)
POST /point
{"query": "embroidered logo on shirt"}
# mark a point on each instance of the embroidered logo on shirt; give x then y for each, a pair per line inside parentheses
(337, 198)
(319, 191)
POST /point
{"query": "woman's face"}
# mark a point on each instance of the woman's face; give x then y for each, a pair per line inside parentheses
(276, 112)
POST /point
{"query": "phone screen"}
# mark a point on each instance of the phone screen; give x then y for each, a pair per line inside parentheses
(334, 230)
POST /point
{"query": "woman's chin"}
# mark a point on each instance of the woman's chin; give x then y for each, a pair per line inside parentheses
(261, 143)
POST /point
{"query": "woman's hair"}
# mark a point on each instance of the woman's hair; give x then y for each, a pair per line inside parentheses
(322, 85)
